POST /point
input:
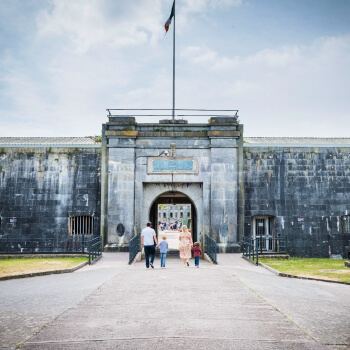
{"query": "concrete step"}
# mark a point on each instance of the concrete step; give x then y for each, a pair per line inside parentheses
(274, 255)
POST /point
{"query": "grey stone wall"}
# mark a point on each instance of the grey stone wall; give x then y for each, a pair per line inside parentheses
(40, 187)
(306, 189)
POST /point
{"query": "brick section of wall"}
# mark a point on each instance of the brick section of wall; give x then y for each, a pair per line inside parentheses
(40, 187)
(307, 190)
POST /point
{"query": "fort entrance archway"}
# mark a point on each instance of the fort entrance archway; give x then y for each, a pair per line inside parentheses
(170, 200)
(170, 212)
(145, 165)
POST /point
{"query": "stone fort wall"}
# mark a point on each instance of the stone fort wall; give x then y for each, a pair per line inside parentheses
(40, 187)
(306, 190)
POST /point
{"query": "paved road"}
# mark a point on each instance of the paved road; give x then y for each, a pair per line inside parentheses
(234, 305)
(321, 309)
(28, 304)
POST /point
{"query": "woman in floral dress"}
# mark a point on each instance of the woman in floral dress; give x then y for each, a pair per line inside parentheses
(185, 245)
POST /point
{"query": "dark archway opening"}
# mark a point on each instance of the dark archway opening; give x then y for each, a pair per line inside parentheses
(180, 202)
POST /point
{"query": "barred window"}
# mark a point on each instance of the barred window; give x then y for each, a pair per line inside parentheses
(81, 225)
(345, 224)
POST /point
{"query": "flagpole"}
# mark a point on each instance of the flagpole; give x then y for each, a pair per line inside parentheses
(174, 67)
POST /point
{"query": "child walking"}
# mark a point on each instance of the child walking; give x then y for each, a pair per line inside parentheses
(197, 253)
(163, 249)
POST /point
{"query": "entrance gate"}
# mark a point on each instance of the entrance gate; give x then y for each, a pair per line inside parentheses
(171, 162)
(170, 211)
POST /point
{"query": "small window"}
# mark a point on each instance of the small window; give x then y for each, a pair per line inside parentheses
(345, 224)
(164, 215)
(188, 214)
(81, 225)
(181, 214)
(171, 214)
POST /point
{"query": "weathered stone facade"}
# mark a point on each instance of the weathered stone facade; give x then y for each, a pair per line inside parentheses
(299, 188)
(304, 184)
(130, 186)
(42, 183)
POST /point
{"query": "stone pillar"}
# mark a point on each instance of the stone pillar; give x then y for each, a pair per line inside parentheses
(241, 189)
(120, 135)
(223, 136)
(104, 186)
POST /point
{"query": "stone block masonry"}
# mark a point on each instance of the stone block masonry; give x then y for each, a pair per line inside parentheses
(131, 184)
(40, 187)
(306, 190)
(296, 188)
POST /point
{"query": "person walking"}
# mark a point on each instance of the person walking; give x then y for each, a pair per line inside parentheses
(163, 250)
(149, 242)
(185, 245)
(197, 253)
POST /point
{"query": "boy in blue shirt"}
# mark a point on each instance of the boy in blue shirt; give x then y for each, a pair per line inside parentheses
(163, 249)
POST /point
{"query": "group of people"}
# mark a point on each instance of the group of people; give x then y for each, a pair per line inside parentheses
(176, 225)
(186, 246)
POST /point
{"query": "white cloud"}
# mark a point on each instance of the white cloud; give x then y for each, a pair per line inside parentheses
(202, 5)
(92, 24)
(304, 86)
(207, 56)
(196, 54)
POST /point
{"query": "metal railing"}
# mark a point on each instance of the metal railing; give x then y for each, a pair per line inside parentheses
(33, 245)
(252, 248)
(167, 112)
(134, 248)
(94, 249)
(210, 248)
(90, 245)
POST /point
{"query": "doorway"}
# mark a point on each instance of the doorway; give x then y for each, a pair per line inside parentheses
(169, 213)
(263, 231)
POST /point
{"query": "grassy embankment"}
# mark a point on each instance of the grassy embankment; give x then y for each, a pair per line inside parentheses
(328, 269)
(18, 266)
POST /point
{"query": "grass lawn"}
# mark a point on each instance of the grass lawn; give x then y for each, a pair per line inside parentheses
(17, 266)
(329, 269)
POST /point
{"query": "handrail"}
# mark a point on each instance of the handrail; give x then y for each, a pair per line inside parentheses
(253, 248)
(210, 248)
(94, 249)
(134, 248)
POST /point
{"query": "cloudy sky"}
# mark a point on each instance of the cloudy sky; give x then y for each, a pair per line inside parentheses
(284, 64)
